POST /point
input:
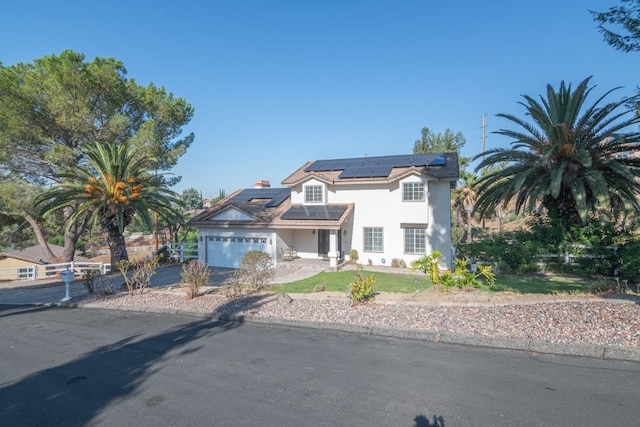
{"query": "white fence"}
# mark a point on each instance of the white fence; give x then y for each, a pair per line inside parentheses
(45, 271)
(182, 251)
(177, 251)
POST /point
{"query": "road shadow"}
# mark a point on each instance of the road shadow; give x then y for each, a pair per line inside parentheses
(77, 391)
(14, 310)
(423, 421)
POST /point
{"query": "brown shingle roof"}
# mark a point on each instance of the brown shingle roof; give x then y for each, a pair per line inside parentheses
(264, 216)
(36, 255)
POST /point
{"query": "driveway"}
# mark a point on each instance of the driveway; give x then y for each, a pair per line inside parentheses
(48, 291)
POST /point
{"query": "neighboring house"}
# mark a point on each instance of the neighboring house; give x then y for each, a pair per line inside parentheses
(18, 264)
(385, 208)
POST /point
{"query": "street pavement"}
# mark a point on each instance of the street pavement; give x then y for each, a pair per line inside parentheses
(71, 367)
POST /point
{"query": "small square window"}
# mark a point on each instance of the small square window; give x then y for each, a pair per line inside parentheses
(413, 192)
(313, 194)
(373, 241)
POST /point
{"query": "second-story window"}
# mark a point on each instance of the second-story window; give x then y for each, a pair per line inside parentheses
(413, 192)
(313, 194)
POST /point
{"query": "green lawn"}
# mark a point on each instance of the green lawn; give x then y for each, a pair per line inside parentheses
(339, 282)
(405, 283)
(535, 283)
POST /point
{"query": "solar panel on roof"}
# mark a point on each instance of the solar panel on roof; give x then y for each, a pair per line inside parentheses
(276, 195)
(331, 212)
(375, 166)
(366, 172)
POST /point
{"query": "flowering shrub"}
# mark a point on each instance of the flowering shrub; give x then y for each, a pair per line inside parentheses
(361, 290)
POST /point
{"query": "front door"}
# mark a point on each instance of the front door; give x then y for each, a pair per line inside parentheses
(323, 243)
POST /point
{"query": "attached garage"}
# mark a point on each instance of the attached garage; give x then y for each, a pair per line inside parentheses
(227, 251)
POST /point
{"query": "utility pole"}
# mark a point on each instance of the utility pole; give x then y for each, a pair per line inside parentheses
(484, 136)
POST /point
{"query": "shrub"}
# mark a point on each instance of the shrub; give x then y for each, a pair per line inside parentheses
(353, 256)
(629, 259)
(429, 264)
(141, 275)
(195, 275)
(398, 262)
(163, 254)
(89, 276)
(256, 270)
(361, 290)
(460, 277)
(509, 251)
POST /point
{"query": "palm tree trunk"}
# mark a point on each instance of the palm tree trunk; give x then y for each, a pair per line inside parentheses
(117, 247)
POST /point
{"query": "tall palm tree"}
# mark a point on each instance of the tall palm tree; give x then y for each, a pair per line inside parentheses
(465, 199)
(572, 159)
(113, 186)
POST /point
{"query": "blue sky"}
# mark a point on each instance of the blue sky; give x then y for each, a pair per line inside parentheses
(277, 83)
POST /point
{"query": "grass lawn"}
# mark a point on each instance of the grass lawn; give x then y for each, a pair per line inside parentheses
(533, 283)
(338, 281)
(539, 283)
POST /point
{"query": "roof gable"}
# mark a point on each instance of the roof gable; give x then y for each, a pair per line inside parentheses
(231, 213)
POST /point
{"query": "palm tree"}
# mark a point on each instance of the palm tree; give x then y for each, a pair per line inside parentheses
(113, 186)
(465, 199)
(571, 159)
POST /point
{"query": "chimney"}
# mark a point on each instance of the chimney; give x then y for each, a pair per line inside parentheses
(262, 183)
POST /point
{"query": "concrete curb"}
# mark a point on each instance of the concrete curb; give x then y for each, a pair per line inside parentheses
(629, 354)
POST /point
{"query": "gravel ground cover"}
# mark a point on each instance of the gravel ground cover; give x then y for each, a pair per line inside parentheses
(597, 321)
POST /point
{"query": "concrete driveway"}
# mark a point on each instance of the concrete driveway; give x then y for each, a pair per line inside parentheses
(48, 291)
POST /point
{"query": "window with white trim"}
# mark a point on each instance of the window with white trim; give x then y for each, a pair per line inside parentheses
(313, 194)
(373, 241)
(413, 192)
(415, 241)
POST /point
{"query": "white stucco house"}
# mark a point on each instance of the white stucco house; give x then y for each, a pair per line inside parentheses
(386, 208)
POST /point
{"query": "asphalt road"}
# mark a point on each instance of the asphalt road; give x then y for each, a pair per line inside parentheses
(79, 367)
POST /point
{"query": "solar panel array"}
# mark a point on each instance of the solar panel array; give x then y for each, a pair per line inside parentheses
(276, 195)
(331, 212)
(374, 167)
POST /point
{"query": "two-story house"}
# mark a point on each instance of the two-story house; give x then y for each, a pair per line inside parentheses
(385, 208)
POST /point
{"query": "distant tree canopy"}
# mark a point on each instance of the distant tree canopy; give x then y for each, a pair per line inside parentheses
(446, 142)
(52, 108)
(626, 21)
(192, 199)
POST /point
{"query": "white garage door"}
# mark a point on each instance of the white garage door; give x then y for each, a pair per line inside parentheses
(224, 251)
